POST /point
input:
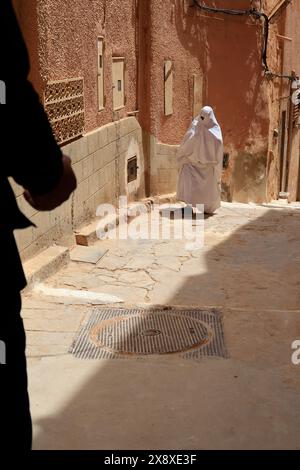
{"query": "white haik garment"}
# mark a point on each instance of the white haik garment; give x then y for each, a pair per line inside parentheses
(200, 158)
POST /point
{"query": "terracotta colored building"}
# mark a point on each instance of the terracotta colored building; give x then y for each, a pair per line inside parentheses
(121, 82)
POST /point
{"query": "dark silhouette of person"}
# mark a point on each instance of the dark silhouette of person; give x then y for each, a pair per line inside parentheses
(31, 156)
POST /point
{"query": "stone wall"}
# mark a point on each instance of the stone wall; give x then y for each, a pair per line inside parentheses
(163, 168)
(217, 62)
(100, 162)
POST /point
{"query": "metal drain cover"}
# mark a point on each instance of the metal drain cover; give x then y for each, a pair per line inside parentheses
(158, 333)
(117, 333)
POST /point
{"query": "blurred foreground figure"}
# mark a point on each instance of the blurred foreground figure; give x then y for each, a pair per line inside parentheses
(200, 159)
(30, 155)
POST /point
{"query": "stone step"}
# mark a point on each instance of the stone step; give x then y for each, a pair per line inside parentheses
(89, 234)
(45, 263)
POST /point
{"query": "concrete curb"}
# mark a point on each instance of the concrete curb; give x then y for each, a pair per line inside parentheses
(88, 234)
(44, 264)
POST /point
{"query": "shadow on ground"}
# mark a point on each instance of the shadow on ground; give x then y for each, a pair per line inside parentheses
(250, 400)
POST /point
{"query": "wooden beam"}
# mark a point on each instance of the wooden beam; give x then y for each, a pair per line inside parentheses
(211, 17)
(285, 38)
(276, 8)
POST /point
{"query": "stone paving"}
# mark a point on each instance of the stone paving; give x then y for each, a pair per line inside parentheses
(249, 270)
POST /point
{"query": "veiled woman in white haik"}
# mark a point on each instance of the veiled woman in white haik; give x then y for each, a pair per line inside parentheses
(200, 159)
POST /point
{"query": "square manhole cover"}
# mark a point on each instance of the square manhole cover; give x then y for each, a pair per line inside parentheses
(123, 333)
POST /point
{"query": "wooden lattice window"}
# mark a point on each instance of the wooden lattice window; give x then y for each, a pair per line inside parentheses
(64, 105)
(296, 113)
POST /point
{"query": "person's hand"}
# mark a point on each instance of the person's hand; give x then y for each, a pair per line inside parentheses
(59, 194)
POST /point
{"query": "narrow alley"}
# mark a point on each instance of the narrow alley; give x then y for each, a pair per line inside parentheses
(150, 230)
(247, 398)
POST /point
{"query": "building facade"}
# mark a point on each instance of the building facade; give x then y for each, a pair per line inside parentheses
(121, 82)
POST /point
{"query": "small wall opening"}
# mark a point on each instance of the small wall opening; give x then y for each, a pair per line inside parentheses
(101, 99)
(282, 148)
(225, 160)
(118, 76)
(168, 78)
(132, 168)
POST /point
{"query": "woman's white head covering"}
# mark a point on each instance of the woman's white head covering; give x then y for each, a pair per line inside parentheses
(203, 142)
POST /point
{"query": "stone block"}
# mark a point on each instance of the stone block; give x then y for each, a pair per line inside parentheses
(86, 254)
(93, 183)
(77, 150)
(98, 160)
(123, 143)
(111, 132)
(92, 142)
(87, 166)
(102, 137)
(45, 263)
(24, 238)
(78, 170)
(109, 153)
